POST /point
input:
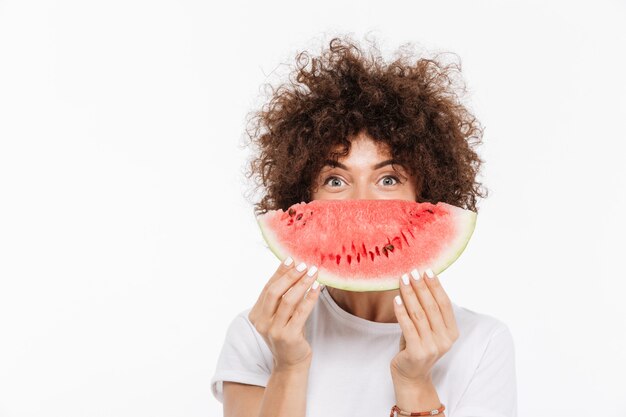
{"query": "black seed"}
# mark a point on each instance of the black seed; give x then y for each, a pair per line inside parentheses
(292, 212)
(389, 248)
(299, 216)
(430, 211)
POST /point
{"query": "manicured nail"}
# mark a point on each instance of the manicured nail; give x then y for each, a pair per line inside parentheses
(301, 267)
(398, 300)
(415, 274)
(315, 285)
(312, 271)
(405, 279)
(430, 273)
(288, 261)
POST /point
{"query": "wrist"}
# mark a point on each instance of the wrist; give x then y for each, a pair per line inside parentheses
(416, 395)
(403, 381)
(302, 367)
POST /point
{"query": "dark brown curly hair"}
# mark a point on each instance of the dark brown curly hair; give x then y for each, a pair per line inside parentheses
(411, 105)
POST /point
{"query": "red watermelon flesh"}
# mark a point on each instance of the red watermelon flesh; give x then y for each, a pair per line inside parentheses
(366, 245)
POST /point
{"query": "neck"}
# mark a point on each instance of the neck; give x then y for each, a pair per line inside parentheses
(372, 305)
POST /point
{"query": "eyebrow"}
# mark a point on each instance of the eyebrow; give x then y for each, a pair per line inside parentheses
(376, 166)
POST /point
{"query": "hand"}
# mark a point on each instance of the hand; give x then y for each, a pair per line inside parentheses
(428, 328)
(281, 311)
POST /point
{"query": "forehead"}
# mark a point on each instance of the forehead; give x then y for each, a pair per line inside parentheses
(363, 152)
(362, 148)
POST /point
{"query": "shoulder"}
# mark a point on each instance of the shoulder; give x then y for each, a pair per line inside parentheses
(484, 365)
(482, 332)
(242, 323)
(241, 331)
(473, 322)
(244, 338)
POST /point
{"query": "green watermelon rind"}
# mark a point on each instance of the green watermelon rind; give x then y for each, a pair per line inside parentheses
(465, 218)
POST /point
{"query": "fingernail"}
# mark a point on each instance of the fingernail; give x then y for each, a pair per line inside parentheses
(312, 271)
(301, 267)
(405, 279)
(430, 273)
(288, 261)
(415, 274)
(315, 285)
(398, 300)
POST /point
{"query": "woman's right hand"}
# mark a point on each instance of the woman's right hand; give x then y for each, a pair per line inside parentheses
(281, 311)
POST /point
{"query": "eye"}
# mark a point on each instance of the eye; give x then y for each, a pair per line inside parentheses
(332, 178)
(337, 181)
(397, 181)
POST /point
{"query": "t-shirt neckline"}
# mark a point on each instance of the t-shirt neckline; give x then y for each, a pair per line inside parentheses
(356, 321)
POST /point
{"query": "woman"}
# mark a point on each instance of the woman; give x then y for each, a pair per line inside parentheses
(353, 127)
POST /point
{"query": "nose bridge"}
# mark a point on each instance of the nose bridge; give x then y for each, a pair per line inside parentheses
(362, 190)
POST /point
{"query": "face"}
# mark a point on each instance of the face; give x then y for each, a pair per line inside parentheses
(365, 173)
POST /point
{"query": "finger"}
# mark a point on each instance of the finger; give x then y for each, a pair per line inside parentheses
(292, 298)
(303, 310)
(415, 310)
(274, 292)
(445, 305)
(428, 302)
(284, 267)
(411, 337)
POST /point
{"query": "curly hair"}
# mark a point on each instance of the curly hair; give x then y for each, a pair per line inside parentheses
(409, 105)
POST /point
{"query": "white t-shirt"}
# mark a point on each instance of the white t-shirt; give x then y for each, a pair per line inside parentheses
(349, 373)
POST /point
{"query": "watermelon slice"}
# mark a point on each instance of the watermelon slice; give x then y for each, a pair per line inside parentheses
(366, 245)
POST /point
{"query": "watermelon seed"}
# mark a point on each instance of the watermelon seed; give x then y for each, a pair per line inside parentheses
(389, 248)
(299, 216)
(338, 258)
(405, 239)
(372, 255)
(430, 211)
(349, 259)
(377, 251)
(292, 212)
(358, 257)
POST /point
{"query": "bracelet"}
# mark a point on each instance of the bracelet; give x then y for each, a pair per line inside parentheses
(395, 410)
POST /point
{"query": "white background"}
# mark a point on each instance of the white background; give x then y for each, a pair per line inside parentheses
(126, 243)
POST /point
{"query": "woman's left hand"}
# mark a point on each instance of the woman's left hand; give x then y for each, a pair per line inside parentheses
(428, 328)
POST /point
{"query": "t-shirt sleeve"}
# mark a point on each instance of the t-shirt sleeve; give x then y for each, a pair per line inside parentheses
(492, 391)
(244, 357)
